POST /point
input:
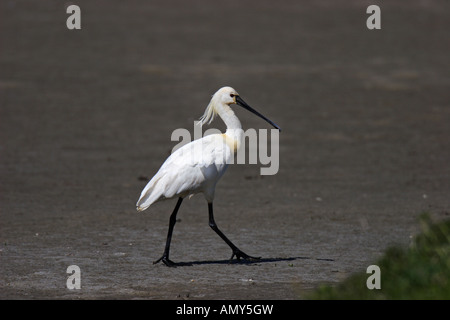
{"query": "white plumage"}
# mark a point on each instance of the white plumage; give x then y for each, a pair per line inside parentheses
(187, 172)
(197, 166)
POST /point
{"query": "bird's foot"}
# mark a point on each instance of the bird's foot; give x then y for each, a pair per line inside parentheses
(170, 263)
(166, 261)
(241, 255)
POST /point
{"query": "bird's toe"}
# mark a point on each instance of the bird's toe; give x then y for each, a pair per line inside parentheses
(242, 255)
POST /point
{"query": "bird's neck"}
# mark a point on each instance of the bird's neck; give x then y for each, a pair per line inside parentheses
(234, 127)
(227, 115)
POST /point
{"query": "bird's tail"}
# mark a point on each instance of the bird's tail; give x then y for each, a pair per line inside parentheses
(148, 196)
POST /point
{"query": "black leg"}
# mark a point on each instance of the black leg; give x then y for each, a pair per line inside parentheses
(172, 221)
(236, 252)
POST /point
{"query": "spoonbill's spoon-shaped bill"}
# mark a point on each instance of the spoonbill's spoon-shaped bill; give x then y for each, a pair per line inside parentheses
(243, 104)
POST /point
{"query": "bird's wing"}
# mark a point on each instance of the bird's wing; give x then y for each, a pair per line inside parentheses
(211, 149)
(186, 170)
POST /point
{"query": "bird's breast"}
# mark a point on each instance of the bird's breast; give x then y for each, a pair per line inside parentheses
(231, 142)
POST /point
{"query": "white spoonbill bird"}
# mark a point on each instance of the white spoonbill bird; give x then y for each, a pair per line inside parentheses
(197, 167)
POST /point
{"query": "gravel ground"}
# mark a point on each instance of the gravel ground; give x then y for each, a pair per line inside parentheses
(87, 114)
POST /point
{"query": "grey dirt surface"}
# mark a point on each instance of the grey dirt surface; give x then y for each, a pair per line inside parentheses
(87, 115)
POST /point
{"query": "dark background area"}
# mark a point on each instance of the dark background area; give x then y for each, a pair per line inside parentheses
(84, 113)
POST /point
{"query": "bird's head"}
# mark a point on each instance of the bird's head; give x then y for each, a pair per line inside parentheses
(227, 96)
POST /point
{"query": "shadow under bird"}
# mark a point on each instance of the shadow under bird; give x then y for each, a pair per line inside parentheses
(197, 167)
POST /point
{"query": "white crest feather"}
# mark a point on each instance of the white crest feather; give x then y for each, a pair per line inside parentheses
(209, 114)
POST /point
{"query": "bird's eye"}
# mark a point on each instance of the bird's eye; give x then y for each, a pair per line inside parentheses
(232, 95)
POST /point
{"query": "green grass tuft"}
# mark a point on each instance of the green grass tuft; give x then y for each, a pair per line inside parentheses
(419, 272)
